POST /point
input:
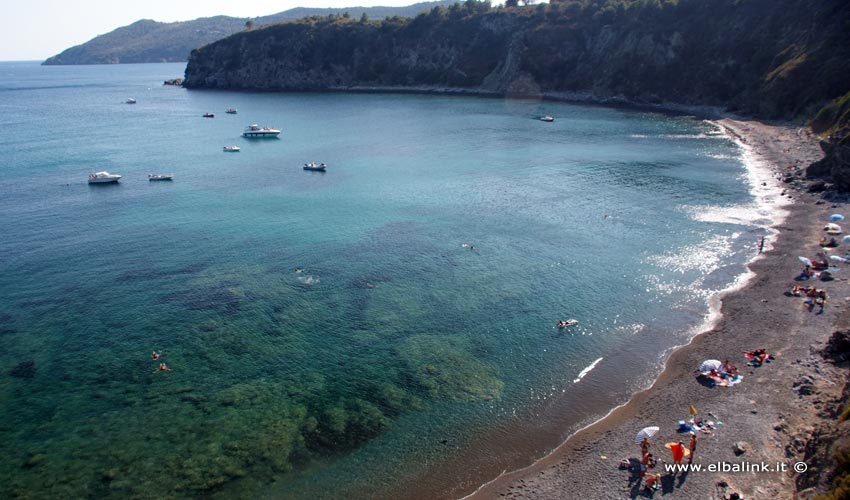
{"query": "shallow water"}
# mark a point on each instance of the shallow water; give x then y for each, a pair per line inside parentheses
(396, 353)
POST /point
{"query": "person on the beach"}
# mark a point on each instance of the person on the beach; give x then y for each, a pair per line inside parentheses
(733, 371)
(652, 481)
(646, 462)
(155, 355)
(644, 446)
(692, 446)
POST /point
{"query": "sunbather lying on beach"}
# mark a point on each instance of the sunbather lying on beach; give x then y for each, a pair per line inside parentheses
(828, 242)
(652, 481)
(757, 357)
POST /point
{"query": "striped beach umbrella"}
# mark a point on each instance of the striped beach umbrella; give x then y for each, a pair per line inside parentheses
(646, 432)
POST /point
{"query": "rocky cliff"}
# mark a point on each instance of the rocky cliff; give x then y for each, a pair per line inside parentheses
(769, 58)
(833, 122)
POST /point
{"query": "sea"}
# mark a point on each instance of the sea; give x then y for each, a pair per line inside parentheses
(385, 329)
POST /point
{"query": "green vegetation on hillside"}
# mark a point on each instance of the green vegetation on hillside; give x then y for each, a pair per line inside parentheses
(834, 118)
(148, 41)
(772, 58)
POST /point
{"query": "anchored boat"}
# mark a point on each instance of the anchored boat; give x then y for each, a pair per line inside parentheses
(255, 130)
(103, 177)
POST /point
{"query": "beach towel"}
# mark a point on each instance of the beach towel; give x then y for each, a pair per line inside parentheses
(678, 450)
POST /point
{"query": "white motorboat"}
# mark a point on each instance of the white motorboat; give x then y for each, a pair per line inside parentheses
(255, 130)
(231, 149)
(316, 167)
(130, 100)
(160, 177)
(231, 111)
(547, 118)
(103, 177)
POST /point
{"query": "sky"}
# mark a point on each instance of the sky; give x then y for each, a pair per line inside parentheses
(38, 29)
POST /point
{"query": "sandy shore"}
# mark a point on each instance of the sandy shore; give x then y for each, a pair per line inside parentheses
(773, 410)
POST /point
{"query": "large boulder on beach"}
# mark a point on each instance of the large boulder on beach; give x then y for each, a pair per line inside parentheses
(835, 165)
(838, 346)
(741, 447)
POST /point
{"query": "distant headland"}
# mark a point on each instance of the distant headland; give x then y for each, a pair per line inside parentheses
(148, 41)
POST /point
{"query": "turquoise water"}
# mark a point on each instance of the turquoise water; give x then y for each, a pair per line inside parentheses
(396, 353)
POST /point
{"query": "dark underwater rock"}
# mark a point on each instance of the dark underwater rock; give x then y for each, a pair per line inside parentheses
(25, 370)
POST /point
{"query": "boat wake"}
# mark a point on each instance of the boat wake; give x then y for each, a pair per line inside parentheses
(587, 370)
(309, 280)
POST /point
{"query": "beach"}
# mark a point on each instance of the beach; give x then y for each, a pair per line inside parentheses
(770, 417)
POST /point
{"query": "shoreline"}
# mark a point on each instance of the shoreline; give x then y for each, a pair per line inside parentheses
(576, 469)
(582, 98)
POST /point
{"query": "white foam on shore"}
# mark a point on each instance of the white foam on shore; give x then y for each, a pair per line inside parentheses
(587, 370)
(693, 136)
(772, 209)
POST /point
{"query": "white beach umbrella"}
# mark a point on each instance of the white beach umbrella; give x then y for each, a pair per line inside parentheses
(836, 217)
(805, 260)
(646, 432)
(832, 227)
(709, 364)
(840, 259)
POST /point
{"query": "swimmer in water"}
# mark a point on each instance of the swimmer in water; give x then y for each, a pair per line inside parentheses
(163, 368)
(155, 355)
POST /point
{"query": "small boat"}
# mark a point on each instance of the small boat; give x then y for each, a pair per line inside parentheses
(231, 149)
(547, 118)
(567, 322)
(255, 130)
(231, 111)
(160, 177)
(316, 167)
(103, 177)
(209, 115)
(130, 100)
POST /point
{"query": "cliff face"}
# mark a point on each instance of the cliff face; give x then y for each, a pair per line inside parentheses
(833, 121)
(770, 58)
